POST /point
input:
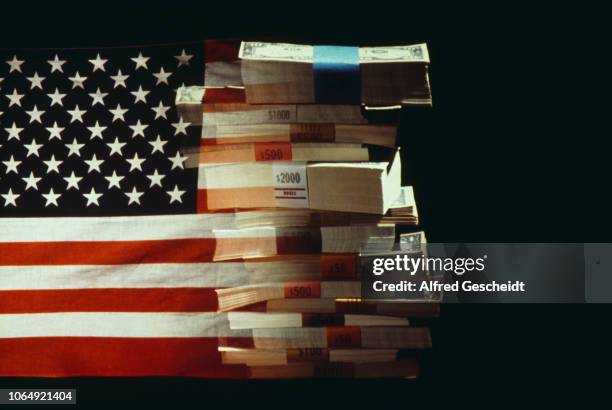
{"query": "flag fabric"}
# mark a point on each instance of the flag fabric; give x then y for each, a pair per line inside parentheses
(99, 249)
(222, 63)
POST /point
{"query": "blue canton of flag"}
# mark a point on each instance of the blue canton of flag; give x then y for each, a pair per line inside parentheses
(86, 132)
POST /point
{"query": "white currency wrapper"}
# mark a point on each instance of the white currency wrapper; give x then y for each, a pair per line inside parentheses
(290, 184)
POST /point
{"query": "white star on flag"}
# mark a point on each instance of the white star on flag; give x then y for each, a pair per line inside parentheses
(56, 98)
(134, 196)
(51, 198)
(140, 61)
(119, 79)
(73, 181)
(140, 95)
(180, 127)
(10, 198)
(160, 110)
(94, 164)
(76, 114)
(115, 147)
(31, 181)
(138, 129)
(15, 98)
(158, 145)
(135, 162)
(32, 148)
(96, 131)
(183, 58)
(156, 179)
(15, 64)
(11, 165)
(114, 180)
(55, 131)
(35, 114)
(56, 64)
(13, 132)
(162, 76)
(118, 113)
(74, 148)
(97, 97)
(36, 81)
(98, 63)
(78, 81)
(92, 197)
(53, 165)
(175, 195)
(177, 161)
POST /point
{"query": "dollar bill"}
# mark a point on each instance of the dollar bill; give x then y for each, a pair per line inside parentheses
(412, 242)
(405, 199)
(189, 95)
(250, 50)
(394, 54)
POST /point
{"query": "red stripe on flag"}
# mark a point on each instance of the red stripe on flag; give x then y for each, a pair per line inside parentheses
(108, 253)
(107, 356)
(221, 50)
(158, 251)
(223, 95)
(109, 300)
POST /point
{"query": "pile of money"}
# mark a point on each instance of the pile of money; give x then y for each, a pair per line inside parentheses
(298, 168)
(286, 73)
(228, 119)
(290, 73)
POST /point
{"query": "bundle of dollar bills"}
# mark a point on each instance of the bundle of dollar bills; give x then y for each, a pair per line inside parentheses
(287, 73)
(297, 170)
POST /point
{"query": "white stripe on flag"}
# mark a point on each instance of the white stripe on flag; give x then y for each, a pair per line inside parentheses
(122, 229)
(168, 275)
(117, 324)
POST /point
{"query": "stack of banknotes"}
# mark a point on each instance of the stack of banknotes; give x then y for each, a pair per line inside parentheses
(298, 168)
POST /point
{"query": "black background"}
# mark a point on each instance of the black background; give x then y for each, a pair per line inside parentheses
(506, 155)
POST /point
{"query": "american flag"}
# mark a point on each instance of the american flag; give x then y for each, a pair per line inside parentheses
(100, 249)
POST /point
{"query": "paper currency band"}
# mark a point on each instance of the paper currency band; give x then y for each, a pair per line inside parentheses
(293, 132)
(343, 337)
(306, 355)
(304, 289)
(323, 319)
(336, 74)
(260, 151)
